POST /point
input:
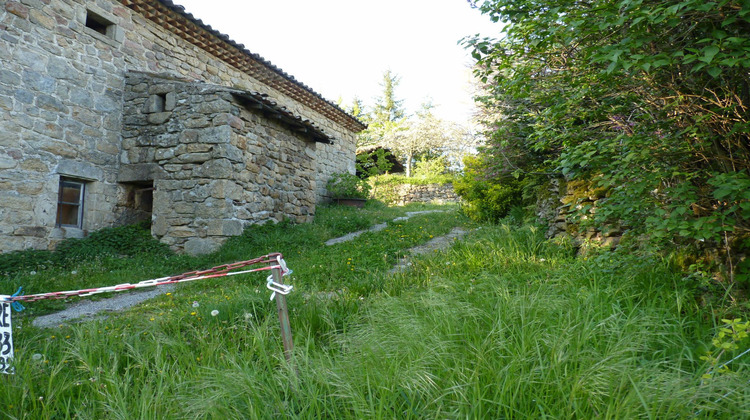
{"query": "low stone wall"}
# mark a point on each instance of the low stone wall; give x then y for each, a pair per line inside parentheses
(408, 193)
(560, 206)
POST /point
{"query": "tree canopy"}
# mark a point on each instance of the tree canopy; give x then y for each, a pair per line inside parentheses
(648, 100)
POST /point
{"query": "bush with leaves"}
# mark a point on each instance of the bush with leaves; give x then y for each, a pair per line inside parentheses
(484, 199)
(431, 167)
(646, 99)
(373, 163)
(346, 185)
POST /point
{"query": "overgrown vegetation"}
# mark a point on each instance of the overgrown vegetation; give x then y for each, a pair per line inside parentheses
(485, 198)
(427, 172)
(646, 100)
(122, 241)
(387, 187)
(504, 324)
(346, 185)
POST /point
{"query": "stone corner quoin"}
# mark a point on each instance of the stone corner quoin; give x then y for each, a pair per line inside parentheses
(113, 112)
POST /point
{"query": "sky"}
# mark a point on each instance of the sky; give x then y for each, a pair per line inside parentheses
(341, 48)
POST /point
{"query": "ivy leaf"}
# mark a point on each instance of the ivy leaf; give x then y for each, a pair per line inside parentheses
(709, 53)
(714, 71)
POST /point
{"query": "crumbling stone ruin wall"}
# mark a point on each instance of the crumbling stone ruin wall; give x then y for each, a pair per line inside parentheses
(560, 209)
(62, 82)
(216, 166)
(408, 193)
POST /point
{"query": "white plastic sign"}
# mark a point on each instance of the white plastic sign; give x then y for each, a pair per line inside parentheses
(6, 337)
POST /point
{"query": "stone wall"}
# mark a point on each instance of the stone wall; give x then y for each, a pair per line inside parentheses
(407, 193)
(216, 166)
(61, 102)
(560, 208)
(60, 106)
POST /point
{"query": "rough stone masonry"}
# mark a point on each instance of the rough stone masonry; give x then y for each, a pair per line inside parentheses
(117, 111)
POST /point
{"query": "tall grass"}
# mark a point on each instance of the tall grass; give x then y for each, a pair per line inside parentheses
(504, 324)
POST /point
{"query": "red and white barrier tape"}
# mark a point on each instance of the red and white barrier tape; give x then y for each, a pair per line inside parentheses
(218, 271)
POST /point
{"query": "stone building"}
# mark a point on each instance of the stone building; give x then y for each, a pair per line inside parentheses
(114, 111)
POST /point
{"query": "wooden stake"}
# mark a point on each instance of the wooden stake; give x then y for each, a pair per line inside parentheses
(286, 330)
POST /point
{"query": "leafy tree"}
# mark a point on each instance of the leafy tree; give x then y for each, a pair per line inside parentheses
(372, 163)
(646, 99)
(426, 136)
(387, 107)
(387, 114)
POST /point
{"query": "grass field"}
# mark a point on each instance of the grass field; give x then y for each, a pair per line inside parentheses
(504, 324)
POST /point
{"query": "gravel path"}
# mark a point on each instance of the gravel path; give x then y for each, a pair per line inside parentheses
(441, 242)
(86, 310)
(378, 227)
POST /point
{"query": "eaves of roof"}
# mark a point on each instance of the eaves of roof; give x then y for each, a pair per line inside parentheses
(260, 102)
(175, 19)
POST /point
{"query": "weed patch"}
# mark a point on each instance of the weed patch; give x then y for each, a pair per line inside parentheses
(503, 324)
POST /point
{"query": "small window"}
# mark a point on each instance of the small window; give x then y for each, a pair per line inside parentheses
(70, 203)
(100, 24)
(156, 103)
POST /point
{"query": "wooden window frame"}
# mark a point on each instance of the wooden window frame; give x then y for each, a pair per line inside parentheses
(80, 203)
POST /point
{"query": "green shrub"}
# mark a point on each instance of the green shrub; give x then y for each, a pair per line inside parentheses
(485, 200)
(431, 167)
(373, 163)
(395, 179)
(346, 185)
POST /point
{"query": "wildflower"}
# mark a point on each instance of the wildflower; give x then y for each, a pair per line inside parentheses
(169, 293)
(33, 273)
(192, 313)
(196, 304)
(74, 272)
(36, 356)
(214, 312)
(151, 319)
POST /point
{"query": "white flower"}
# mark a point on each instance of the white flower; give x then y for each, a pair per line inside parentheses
(214, 312)
(74, 272)
(36, 356)
(196, 304)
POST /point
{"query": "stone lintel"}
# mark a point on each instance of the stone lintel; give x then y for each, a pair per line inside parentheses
(80, 170)
(140, 172)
